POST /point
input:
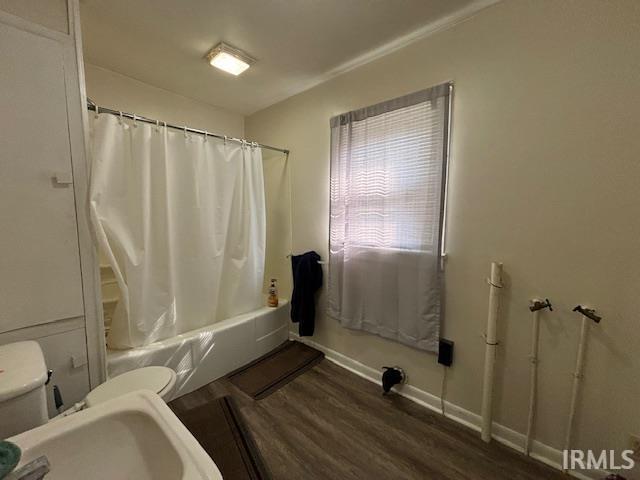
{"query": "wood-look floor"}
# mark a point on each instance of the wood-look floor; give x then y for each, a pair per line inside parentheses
(331, 424)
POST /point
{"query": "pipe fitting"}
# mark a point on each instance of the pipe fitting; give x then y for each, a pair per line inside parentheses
(540, 305)
(590, 313)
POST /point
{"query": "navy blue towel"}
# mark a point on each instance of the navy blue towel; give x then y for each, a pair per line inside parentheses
(307, 279)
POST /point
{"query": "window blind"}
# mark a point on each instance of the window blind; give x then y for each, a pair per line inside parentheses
(388, 170)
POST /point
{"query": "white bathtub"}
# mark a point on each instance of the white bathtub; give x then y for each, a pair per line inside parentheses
(204, 355)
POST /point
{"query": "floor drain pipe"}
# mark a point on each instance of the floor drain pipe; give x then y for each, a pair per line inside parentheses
(588, 315)
(495, 285)
(536, 307)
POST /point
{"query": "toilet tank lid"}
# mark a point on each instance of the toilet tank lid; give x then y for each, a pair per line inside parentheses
(22, 369)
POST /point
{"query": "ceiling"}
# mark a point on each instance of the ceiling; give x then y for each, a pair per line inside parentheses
(297, 43)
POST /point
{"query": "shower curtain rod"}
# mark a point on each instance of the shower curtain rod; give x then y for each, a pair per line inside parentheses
(96, 108)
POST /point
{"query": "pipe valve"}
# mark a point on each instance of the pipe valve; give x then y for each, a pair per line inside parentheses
(588, 312)
(540, 305)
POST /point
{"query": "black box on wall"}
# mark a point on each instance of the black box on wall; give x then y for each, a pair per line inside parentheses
(445, 352)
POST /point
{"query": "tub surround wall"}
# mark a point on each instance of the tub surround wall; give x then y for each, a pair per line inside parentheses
(278, 245)
(543, 178)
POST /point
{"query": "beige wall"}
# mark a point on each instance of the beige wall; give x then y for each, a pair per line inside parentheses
(544, 177)
(48, 13)
(113, 90)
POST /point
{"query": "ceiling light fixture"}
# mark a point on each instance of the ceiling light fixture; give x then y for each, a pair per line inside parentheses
(229, 59)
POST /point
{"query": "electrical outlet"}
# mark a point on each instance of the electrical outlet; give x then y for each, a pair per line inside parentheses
(634, 444)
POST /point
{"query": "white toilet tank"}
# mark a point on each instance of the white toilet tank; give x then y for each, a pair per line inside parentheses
(23, 400)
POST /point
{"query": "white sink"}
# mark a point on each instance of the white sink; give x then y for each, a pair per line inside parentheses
(135, 436)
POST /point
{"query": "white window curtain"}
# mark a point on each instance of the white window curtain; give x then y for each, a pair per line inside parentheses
(388, 170)
(181, 219)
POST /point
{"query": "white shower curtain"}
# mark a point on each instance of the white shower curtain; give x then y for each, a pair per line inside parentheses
(181, 219)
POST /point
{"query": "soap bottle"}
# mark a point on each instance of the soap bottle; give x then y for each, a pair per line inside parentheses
(273, 293)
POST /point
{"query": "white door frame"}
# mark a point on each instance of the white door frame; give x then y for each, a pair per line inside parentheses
(79, 133)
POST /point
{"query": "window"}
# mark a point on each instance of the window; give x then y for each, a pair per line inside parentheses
(388, 170)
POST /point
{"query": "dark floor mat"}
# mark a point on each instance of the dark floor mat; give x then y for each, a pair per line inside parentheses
(267, 374)
(219, 428)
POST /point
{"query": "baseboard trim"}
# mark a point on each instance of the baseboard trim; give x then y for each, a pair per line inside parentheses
(504, 435)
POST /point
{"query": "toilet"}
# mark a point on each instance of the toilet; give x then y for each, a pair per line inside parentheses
(161, 380)
(24, 374)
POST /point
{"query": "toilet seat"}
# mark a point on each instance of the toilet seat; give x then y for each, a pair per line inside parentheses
(160, 380)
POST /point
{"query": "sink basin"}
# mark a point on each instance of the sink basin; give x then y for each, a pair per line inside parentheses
(135, 436)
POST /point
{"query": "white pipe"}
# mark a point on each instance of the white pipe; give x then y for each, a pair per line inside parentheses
(533, 388)
(495, 285)
(577, 378)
